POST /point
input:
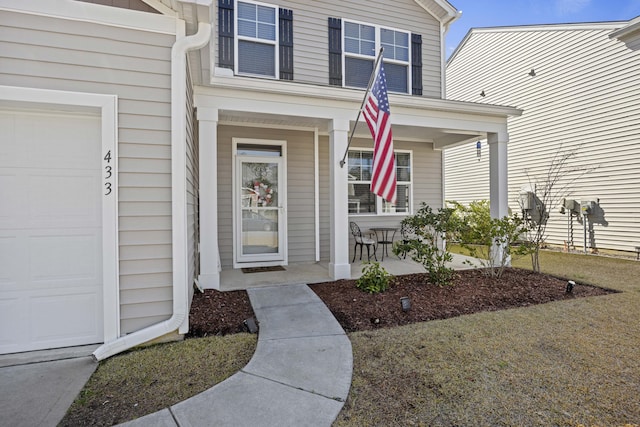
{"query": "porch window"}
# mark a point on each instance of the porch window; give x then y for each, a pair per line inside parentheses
(361, 45)
(361, 199)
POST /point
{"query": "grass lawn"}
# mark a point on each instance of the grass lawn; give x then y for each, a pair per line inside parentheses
(564, 363)
(572, 362)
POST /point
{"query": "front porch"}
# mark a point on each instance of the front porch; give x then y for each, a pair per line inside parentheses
(235, 279)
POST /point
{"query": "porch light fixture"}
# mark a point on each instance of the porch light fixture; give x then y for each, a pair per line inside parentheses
(532, 73)
(478, 150)
(405, 302)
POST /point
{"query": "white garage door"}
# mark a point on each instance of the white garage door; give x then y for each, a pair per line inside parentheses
(50, 230)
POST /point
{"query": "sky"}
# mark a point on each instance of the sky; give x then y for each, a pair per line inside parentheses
(496, 13)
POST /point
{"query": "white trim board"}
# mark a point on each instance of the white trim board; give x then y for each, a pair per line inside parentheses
(106, 106)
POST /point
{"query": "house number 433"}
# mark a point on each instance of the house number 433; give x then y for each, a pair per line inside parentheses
(108, 174)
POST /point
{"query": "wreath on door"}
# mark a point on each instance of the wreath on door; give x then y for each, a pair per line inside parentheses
(263, 194)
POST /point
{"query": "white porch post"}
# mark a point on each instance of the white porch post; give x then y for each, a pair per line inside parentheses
(209, 256)
(339, 267)
(498, 182)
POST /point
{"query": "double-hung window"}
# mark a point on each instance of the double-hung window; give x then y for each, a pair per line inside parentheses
(361, 199)
(257, 39)
(361, 44)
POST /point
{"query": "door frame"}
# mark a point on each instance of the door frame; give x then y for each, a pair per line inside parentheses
(106, 107)
(282, 198)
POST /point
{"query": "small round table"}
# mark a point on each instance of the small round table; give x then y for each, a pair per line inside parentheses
(383, 238)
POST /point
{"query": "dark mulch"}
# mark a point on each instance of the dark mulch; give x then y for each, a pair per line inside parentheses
(221, 313)
(218, 313)
(470, 292)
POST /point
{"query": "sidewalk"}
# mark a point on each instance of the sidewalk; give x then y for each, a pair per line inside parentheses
(300, 373)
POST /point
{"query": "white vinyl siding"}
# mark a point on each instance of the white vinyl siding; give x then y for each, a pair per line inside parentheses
(585, 95)
(310, 35)
(51, 53)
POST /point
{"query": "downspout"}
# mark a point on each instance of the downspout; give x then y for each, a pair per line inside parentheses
(178, 202)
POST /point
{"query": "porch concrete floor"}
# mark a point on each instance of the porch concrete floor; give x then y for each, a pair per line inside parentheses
(308, 273)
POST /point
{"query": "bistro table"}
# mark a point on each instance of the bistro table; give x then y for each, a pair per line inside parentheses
(382, 237)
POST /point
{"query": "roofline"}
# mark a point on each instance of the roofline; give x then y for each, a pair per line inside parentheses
(452, 13)
(607, 25)
(632, 27)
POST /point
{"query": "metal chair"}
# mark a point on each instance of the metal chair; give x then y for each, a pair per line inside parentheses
(362, 241)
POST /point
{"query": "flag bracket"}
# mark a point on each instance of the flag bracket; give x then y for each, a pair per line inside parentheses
(366, 94)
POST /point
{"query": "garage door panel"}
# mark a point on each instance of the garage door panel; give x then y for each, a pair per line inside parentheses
(11, 254)
(48, 141)
(70, 258)
(54, 200)
(75, 323)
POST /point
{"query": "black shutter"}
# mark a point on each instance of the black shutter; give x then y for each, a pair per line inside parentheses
(225, 34)
(335, 51)
(416, 64)
(286, 44)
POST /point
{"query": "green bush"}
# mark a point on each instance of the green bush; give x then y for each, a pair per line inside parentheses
(424, 241)
(490, 240)
(374, 279)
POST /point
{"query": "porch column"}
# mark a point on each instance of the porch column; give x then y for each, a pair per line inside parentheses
(498, 174)
(208, 143)
(498, 182)
(339, 267)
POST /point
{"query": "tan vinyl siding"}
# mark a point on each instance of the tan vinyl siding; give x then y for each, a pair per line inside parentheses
(300, 188)
(310, 35)
(192, 186)
(51, 53)
(585, 95)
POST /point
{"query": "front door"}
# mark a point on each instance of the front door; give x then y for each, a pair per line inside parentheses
(260, 220)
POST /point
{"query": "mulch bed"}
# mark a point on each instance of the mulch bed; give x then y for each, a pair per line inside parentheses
(221, 313)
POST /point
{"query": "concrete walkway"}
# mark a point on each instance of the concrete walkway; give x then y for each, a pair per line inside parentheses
(299, 375)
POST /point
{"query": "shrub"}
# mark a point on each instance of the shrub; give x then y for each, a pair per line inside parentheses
(491, 240)
(374, 279)
(424, 241)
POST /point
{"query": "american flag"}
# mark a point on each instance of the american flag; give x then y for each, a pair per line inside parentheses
(377, 115)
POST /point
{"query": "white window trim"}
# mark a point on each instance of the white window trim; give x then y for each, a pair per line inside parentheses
(378, 44)
(275, 43)
(379, 201)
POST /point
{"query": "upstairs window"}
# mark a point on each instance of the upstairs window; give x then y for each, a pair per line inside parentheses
(362, 43)
(255, 39)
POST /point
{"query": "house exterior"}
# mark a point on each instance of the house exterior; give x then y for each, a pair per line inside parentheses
(148, 146)
(578, 87)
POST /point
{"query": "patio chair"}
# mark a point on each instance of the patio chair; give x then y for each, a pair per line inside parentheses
(362, 241)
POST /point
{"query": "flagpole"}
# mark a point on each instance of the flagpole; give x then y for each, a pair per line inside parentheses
(366, 94)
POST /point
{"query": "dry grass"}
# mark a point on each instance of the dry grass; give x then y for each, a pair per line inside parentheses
(563, 363)
(146, 380)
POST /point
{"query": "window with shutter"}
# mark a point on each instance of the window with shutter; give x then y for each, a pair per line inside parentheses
(255, 39)
(361, 43)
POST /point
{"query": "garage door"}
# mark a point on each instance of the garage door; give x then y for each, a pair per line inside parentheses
(50, 230)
